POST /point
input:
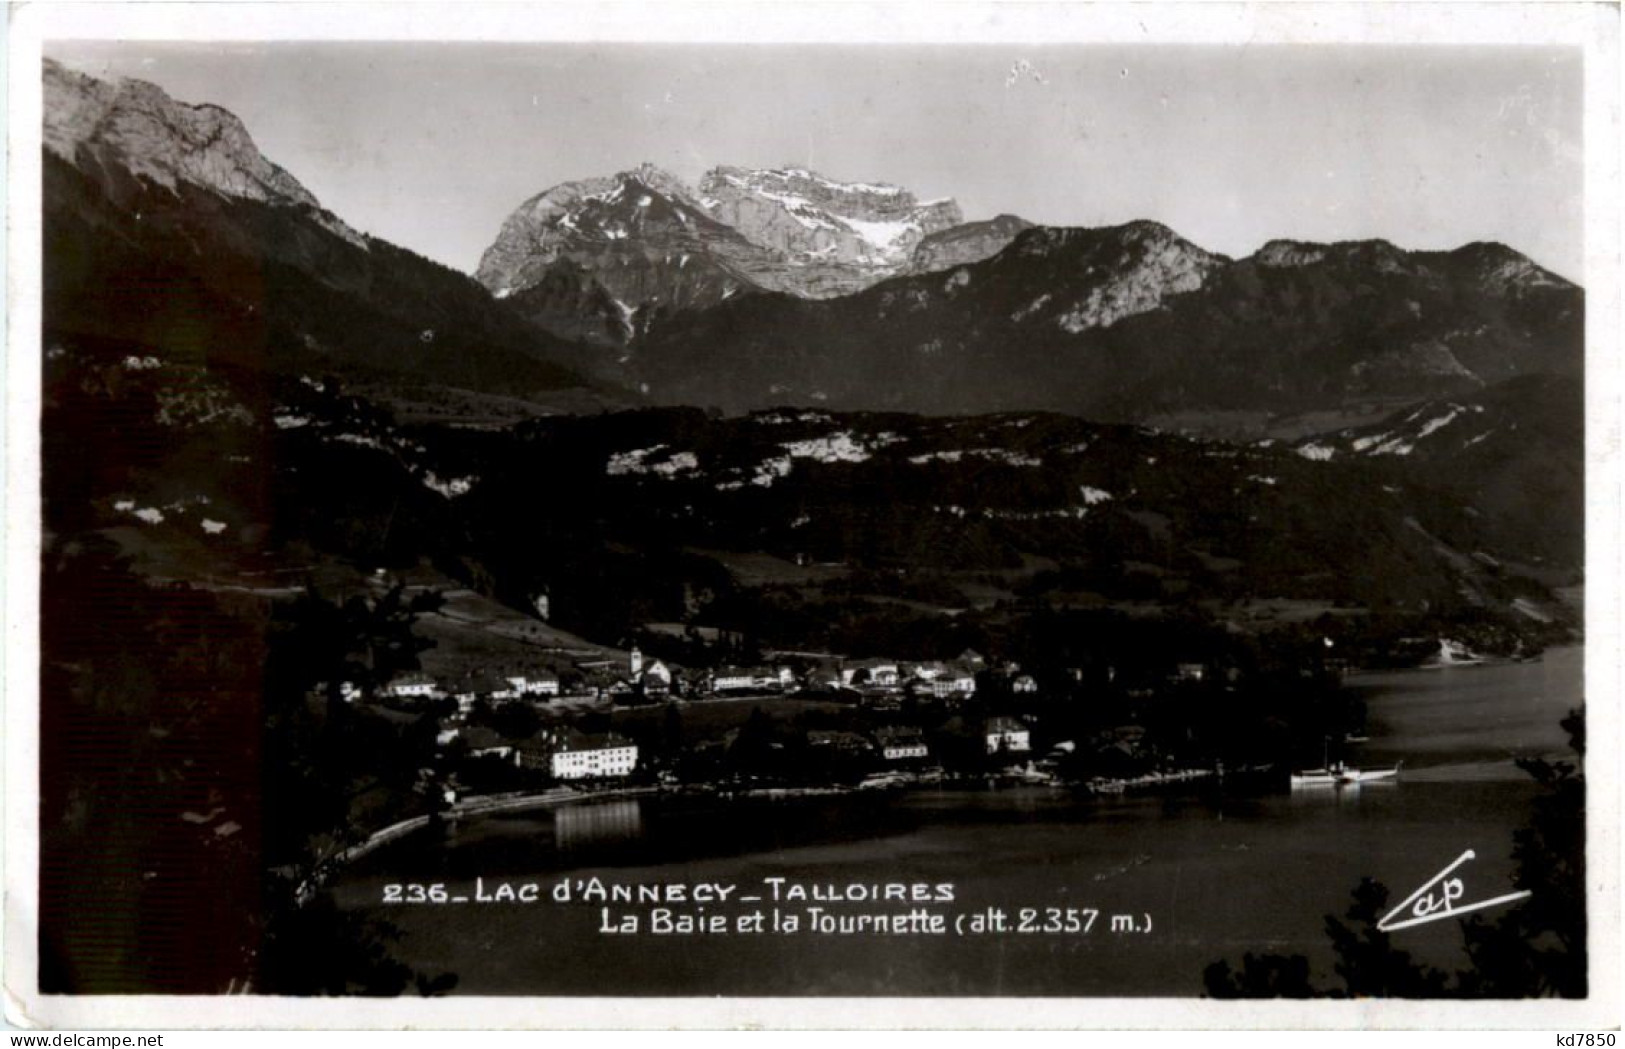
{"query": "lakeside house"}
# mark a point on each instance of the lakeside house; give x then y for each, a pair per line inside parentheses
(414, 685)
(881, 673)
(572, 755)
(1006, 736)
(901, 743)
(484, 685)
(825, 677)
(748, 679)
(484, 742)
(533, 683)
(955, 682)
(838, 740)
(928, 671)
(653, 676)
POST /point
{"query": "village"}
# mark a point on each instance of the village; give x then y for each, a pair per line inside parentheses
(791, 724)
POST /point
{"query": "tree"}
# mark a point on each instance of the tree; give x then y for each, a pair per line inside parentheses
(1540, 947)
(318, 644)
(149, 751)
(323, 759)
(516, 720)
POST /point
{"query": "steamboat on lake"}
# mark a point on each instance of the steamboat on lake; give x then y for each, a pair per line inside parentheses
(1338, 774)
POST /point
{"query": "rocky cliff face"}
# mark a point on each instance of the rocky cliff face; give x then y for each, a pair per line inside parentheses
(630, 247)
(834, 237)
(134, 125)
(168, 235)
(655, 248)
(1132, 271)
(969, 242)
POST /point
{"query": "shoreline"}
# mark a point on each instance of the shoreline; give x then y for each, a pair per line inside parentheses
(558, 796)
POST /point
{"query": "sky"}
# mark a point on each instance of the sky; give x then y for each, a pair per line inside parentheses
(432, 145)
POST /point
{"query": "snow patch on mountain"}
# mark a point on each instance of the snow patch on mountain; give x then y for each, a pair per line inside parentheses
(1133, 269)
(1032, 307)
(1000, 455)
(651, 461)
(833, 448)
(764, 475)
(1436, 424)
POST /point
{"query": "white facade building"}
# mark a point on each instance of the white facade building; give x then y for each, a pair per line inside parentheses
(1007, 735)
(730, 678)
(416, 685)
(594, 757)
(901, 745)
(534, 684)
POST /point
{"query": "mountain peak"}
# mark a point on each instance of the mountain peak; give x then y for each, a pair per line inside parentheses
(658, 179)
(138, 126)
(642, 232)
(1502, 268)
(1125, 270)
(1140, 234)
(966, 243)
(1284, 253)
(1493, 265)
(802, 181)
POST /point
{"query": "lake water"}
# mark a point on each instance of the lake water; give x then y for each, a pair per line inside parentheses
(1214, 877)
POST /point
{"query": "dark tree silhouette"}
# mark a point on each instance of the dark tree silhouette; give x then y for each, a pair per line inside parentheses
(326, 763)
(1540, 947)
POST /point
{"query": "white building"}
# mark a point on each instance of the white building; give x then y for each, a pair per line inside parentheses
(656, 675)
(732, 679)
(928, 671)
(898, 744)
(537, 683)
(871, 672)
(1007, 735)
(415, 685)
(580, 756)
(953, 683)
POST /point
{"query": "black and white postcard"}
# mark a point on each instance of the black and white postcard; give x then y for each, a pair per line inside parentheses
(618, 514)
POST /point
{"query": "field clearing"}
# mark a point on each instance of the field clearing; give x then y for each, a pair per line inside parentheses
(470, 409)
(472, 632)
(1284, 610)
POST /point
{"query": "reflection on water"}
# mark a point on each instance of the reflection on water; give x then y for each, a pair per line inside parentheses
(1220, 875)
(577, 827)
(1342, 794)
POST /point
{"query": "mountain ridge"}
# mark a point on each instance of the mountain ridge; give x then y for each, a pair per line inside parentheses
(166, 228)
(656, 246)
(1132, 321)
(138, 126)
(643, 286)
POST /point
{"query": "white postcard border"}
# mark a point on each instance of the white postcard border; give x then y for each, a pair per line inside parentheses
(1593, 27)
